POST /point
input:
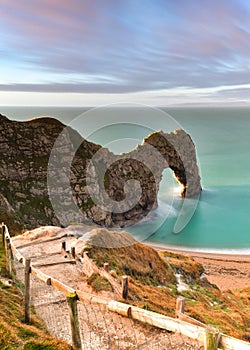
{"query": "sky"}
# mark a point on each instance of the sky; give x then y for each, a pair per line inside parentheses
(95, 52)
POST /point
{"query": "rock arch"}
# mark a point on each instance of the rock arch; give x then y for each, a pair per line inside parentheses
(25, 148)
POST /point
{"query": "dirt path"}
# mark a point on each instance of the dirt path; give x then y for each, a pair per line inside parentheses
(100, 329)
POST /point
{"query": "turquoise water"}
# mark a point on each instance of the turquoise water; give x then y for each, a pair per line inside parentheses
(222, 218)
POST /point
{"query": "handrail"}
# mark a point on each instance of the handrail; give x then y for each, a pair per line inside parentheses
(155, 319)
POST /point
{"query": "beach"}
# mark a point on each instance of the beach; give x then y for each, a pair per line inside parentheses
(227, 271)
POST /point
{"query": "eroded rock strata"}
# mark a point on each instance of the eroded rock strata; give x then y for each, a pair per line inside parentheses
(79, 185)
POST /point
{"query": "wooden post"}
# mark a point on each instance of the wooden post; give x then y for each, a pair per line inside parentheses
(3, 233)
(63, 249)
(106, 266)
(9, 257)
(74, 322)
(212, 338)
(27, 291)
(124, 287)
(73, 252)
(4, 238)
(180, 306)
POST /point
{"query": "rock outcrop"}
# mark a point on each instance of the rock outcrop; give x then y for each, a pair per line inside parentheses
(50, 175)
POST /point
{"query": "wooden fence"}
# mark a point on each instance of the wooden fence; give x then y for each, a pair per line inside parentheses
(208, 336)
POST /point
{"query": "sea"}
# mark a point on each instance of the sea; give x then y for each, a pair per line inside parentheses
(217, 221)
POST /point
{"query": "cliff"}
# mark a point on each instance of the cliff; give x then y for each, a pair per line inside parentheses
(50, 175)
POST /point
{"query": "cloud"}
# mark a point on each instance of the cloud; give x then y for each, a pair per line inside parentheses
(70, 88)
(136, 46)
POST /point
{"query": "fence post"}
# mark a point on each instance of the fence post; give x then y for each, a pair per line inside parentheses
(212, 338)
(27, 291)
(73, 252)
(74, 322)
(4, 239)
(64, 247)
(3, 233)
(124, 287)
(106, 266)
(9, 257)
(180, 306)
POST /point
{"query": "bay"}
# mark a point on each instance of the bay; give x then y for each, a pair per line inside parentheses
(222, 138)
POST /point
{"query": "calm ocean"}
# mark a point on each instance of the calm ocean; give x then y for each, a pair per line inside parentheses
(222, 218)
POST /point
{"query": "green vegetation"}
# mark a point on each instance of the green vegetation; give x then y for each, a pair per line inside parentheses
(39, 346)
(188, 267)
(36, 207)
(88, 204)
(99, 283)
(11, 220)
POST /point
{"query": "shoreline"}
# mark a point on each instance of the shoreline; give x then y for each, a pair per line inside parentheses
(206, 254)
(227, 271)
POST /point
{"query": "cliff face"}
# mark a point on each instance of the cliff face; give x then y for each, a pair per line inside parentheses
(86, 182)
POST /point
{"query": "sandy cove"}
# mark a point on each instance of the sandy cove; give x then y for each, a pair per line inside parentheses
(227, 271)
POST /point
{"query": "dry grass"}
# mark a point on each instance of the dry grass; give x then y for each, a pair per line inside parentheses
(153, 286)
(140, 262)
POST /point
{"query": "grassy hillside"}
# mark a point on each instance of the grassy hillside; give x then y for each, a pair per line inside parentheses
(14, 334)
(153, 286)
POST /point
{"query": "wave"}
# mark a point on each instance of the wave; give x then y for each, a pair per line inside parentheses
(165, 210)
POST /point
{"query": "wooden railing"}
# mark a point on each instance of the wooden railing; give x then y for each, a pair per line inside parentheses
(211, 338)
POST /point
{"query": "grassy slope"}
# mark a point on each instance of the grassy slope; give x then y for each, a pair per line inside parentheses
(152, 285)
(14, 334)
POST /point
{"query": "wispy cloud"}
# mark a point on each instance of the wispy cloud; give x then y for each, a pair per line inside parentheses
(123, 46)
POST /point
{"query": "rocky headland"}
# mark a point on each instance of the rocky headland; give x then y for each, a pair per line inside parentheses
(41, 159)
